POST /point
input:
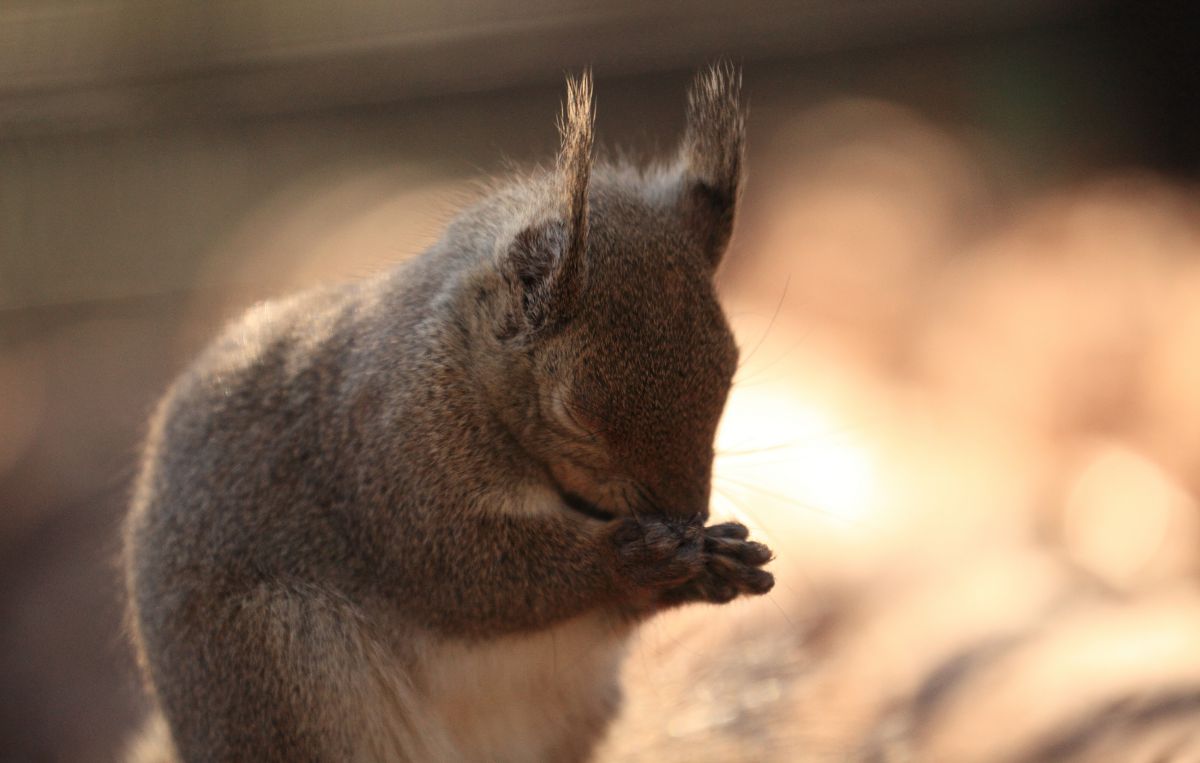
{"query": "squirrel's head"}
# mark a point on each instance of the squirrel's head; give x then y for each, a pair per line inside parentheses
(615, 358)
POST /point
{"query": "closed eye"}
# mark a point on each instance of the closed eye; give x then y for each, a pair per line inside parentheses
(578, 503)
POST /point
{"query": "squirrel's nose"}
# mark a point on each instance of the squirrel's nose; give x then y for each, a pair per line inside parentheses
(682, 499)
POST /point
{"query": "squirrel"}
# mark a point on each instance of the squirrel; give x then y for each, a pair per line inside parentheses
(418, 517)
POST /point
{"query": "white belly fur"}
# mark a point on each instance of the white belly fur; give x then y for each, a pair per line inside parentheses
(543, 696)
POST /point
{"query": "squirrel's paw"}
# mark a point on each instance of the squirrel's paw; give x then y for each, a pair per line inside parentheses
(658, 553)
(732, 566)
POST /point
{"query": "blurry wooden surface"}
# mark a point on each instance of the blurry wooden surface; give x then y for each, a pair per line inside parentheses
(67, 64)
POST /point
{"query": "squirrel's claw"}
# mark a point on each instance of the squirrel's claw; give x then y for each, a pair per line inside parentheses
(732, 566)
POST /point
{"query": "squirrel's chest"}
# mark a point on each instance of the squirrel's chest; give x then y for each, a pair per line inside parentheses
(542, 696)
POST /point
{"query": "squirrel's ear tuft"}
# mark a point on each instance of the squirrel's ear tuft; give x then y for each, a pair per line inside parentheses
(712, 154)
(545, 262)
(574, 169)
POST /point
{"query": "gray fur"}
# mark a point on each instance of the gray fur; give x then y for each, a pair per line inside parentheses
(354, 483)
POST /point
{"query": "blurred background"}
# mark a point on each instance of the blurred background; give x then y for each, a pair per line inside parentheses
(966, 282)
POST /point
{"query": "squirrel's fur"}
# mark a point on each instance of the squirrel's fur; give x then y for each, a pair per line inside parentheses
(416, 517)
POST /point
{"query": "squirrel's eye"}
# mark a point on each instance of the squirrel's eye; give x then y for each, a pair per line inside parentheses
(585, 507)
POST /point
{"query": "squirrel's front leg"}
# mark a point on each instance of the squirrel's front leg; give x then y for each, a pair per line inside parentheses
(504, 574)
(673, 562)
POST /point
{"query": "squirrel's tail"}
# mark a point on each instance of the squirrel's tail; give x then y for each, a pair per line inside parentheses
(153, 743)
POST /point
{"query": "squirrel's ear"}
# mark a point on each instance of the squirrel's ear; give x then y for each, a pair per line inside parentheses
(712, 155)
(545, 261)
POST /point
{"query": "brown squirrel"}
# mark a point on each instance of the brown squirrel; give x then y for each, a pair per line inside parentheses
(417, 517)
